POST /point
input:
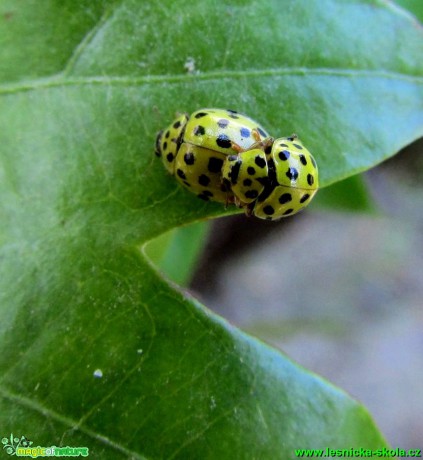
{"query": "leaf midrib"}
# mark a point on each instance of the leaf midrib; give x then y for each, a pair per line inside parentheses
(59, 81)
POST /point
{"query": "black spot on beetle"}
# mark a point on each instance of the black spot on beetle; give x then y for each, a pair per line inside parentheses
(288, 211)
(232, 113)
(223, 141)
(205, 195)
(181, 174)
(177, 124)
(298, 146)
(292, 174)
(262, 133)
(235, 172)
(204, 180)
(251, 194)
(285, 198)
(303, 159)
(169, 157)
(268, 210)
(304, 198)
(260, 162)
(200, 115)
(251, 171)
(269, 182)
(189, 158)
(158, 150)
(215, 165)
(284, 155)
(310, 179)
(199, 130)
(247, 182)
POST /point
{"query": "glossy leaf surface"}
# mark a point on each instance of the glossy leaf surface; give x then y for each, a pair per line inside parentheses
(97, 349)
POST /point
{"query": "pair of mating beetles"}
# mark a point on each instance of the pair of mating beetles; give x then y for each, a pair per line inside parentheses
(224, 156)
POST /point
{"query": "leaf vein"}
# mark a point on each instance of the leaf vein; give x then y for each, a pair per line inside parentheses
(87, 40)
(46, 412)
(59, 81)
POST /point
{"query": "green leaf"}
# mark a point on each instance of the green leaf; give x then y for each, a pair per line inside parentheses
(414, 6)
(97, 349)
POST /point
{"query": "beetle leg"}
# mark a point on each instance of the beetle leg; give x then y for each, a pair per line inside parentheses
(261, 145)
(256, 135)
(248, 211)
(237, 147)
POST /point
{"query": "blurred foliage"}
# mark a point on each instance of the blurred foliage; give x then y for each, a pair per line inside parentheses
(176, 252)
